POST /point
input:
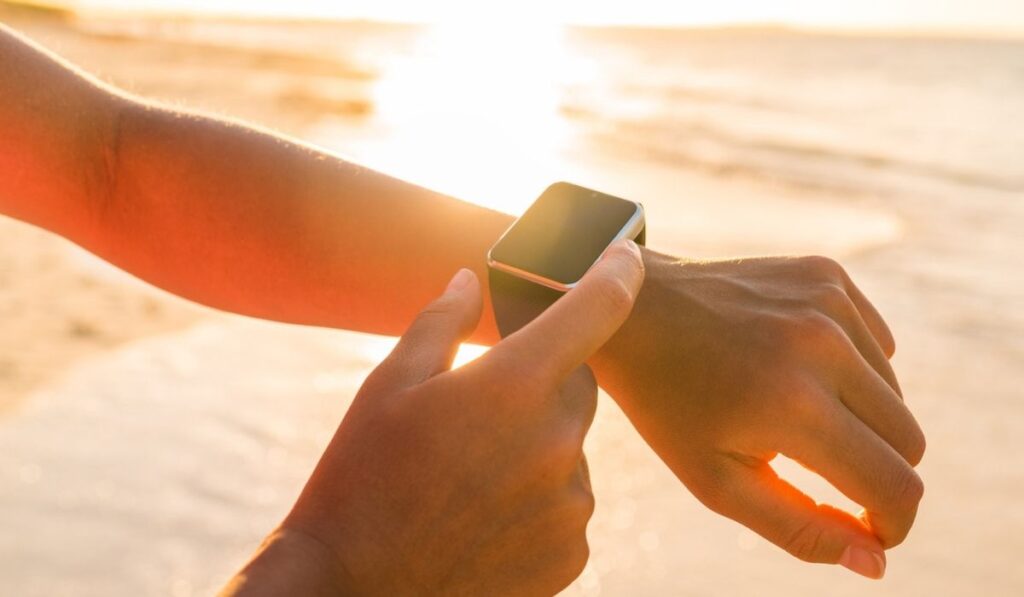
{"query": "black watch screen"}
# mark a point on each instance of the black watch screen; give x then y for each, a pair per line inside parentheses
(564, 232)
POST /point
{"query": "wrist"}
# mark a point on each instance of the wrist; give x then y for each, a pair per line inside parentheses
(611, 363)
(292, 562)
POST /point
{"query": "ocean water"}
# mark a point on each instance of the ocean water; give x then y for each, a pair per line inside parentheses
(861, 114)
(156, 468)
(856, 113)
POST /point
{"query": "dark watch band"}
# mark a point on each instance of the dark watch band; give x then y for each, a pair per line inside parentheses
(517, 301)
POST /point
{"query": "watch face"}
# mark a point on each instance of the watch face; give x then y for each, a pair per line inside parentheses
(564, 233)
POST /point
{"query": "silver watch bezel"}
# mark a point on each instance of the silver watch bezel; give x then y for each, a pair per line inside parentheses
(631, 229)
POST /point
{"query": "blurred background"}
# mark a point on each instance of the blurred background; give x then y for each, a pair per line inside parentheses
(147, 444)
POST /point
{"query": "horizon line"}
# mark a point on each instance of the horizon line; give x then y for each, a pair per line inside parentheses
(916, 31)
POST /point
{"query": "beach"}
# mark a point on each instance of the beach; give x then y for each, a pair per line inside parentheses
(149, 443)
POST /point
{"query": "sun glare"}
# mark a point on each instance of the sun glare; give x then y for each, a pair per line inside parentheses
(477, 102)
(376, 348)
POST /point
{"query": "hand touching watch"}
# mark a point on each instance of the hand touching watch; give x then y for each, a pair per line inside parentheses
(464, 482)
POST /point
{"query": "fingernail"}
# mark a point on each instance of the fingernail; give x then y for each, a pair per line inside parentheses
(864, 562)
(461, 279)
(627, 244)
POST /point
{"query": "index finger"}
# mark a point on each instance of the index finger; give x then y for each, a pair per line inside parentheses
(872, 318)
(865, 468)
(578, 324)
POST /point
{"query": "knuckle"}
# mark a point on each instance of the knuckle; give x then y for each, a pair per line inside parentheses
(915, 448)
(824, 266)
(585, 506)
(907, 495)
(575, 560)
(584, 381)
(565, 557)
(811, 407)
(614, 298)
(575, 506)
(805, 542)
(831, 298)
(908, 490)
(579, 394)
(888, 344)
(432, 313)
(812, 333)
(817, 327)
(893, 537)
(553, 459)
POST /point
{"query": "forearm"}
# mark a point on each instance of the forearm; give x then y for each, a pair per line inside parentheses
(222, 213)
(250, 222)
(53, 123)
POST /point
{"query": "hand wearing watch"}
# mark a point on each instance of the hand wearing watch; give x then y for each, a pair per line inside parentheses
(546, 252)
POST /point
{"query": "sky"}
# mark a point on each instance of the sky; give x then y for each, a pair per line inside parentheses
(997, 16)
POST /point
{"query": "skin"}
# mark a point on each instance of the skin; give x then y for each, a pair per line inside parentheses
(720, 366)
(486, 490)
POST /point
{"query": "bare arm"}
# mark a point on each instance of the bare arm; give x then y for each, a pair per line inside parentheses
(721, 365)
(226, 214)
(55, 126)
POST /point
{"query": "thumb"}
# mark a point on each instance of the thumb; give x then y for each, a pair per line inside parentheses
(429, 346)
(765, 503)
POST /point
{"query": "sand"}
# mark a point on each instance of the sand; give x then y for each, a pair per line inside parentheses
(55, 312)
(149, 443)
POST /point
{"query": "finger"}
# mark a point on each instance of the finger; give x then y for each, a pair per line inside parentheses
(872, 399)
(578, 398)
(872, 318)
(578, 324)
(429, 346)
(757, 498)
(583, 475)
(846, 314)
(576, 407)
(860, 464)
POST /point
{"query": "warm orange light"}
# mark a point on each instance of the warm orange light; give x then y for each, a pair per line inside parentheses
(474, 111)
(376, 348)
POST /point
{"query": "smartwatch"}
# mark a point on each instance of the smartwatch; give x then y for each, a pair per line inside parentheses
(546, 252)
